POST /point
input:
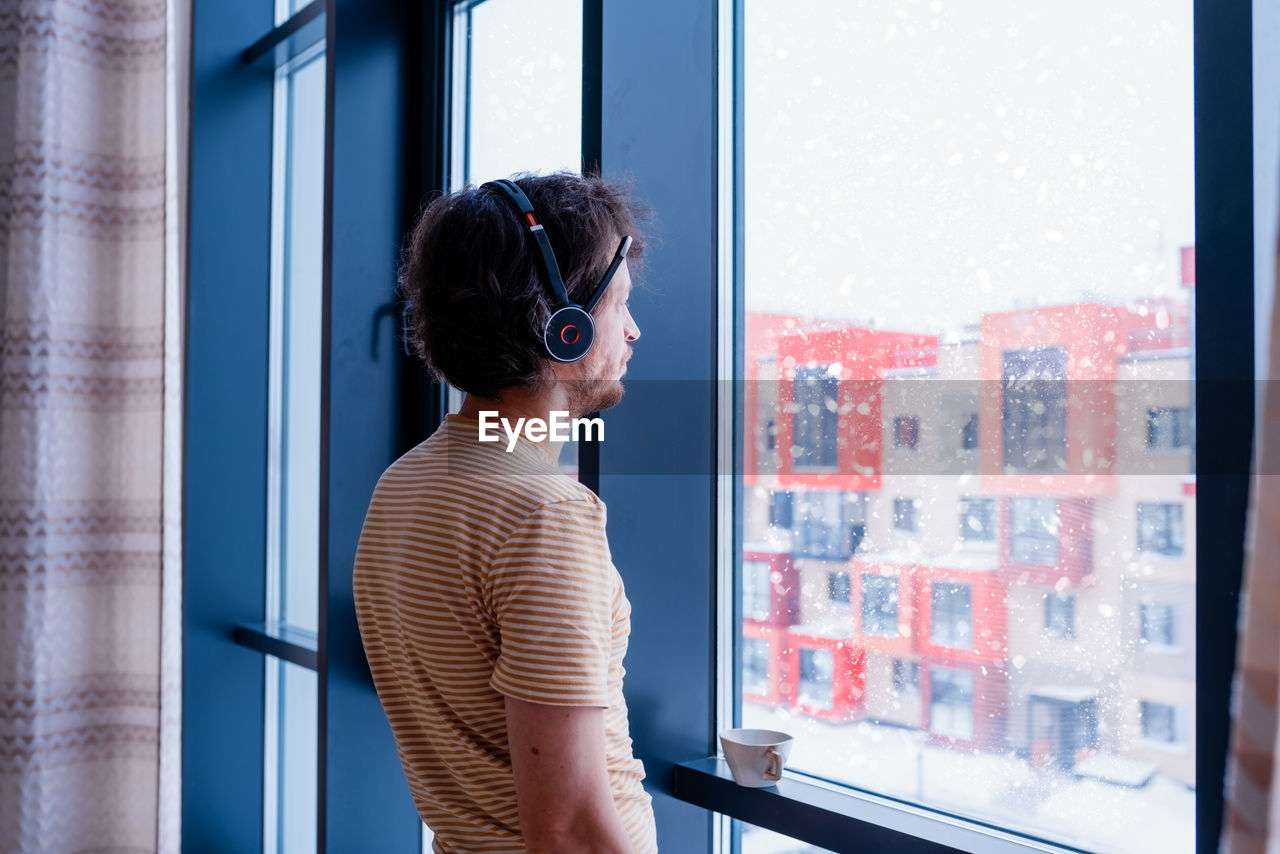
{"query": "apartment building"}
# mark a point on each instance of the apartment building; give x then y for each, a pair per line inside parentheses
(985, 535)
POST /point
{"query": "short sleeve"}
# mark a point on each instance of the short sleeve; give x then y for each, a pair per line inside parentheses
(551, 592)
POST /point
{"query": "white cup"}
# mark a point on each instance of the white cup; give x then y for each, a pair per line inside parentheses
(755, 756)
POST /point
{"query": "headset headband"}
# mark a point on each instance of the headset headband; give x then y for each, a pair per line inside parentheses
(539, 233)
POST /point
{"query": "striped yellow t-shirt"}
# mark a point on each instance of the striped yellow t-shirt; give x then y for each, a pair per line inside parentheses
(483, 573)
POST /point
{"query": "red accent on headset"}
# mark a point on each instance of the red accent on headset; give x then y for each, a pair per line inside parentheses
(532, 220)
(565, 332)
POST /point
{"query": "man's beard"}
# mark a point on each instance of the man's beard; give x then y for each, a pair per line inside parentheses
(592, 396)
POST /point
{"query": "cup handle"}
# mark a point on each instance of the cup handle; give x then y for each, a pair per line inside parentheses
(773, 771)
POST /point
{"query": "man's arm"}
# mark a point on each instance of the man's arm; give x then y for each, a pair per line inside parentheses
(562, 782)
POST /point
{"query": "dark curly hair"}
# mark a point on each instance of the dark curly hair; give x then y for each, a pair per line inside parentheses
(473, 286)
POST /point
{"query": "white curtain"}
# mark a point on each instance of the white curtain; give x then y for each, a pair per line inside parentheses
(92, 109)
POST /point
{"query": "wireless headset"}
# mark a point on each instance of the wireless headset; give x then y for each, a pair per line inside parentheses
(570, 330)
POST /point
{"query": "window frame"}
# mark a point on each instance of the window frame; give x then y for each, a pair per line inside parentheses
(912, 505)
(951, 638)
(1016, 536)
(882, 582)
(1224, 340)
(821, 426)
(1170, 538)
(1066, 602)
(966, 503)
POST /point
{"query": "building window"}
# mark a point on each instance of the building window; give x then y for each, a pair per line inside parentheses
(904, 514)
(817, 666)
(951, 623)
(969, 433)
(1160, 723)
(879, 605)
(951, 703)
(1160, 529)
(1168, 429)
(1033, 530)
(780, 510)
(816, 396)
(755, 667)
(1159, 626)
(757, 590)
(821, 526)
(977, 520)
(906, 676)
(906, 432)
(1035, 410)
(838, 587)
(1059, 615)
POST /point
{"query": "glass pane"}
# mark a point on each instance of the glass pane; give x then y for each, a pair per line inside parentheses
(296, 342)
(517, 102)
(519, 108)
(967, 574)
(292, 716)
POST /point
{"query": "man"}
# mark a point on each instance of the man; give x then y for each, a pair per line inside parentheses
(492, 616)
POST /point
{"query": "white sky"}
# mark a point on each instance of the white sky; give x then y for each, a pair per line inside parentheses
(922, 162)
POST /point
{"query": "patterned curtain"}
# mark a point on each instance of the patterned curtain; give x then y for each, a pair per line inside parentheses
(1252, 811)
(90, 360)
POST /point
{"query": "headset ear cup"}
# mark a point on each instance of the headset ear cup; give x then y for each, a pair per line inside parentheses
(569, 334)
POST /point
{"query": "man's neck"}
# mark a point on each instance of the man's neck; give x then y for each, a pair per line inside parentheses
(517, 403)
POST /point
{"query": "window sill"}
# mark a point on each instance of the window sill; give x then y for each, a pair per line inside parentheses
(286, 642)
(829, 816)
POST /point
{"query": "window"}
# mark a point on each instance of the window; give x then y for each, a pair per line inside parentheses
(977, 520)
(1012, 182)
(1033, 534)
(294, 446)
(906, 432)
(755, 667)
(1160, 529)
(1059, 615)
(817, 668)
(1168, 429)
(951, 620)
(1159, 626)
(879, 605)
(821, 528)
(904, 514)
(838, 587)
(906, 676)
(1035, 410)
(815, 392)
(951, 703)
(969, 433)
(757, 590)
(1160, 723)
(780, 509)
